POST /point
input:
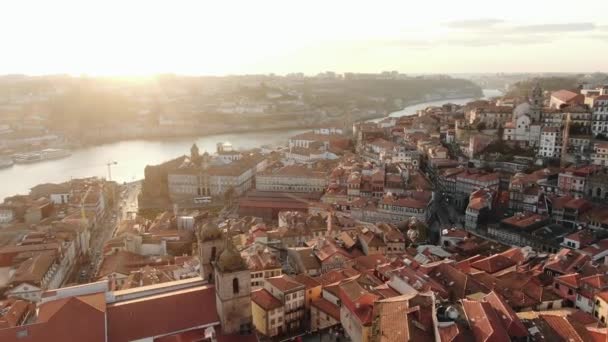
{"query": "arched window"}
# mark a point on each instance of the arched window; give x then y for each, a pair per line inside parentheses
(235, 286)
(213, 251)
(598, 192)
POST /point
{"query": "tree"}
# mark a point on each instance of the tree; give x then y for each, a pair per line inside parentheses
(481, 126)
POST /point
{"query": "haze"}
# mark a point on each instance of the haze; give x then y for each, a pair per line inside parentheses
(235, 37)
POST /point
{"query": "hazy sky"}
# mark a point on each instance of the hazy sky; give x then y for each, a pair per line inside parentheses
(222, 36)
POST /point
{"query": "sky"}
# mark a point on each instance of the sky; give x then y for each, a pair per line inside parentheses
(130, 37)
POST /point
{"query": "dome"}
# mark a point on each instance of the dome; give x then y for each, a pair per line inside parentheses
(230, 260)
(210, 232)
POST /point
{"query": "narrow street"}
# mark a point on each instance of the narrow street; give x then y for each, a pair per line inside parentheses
(126, 208)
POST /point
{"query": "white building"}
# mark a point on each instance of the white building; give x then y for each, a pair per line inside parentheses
(550, 143)
(523, 131)
(600, 115)
(600, 154)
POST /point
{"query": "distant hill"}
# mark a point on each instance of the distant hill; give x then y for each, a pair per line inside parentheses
(523, 88)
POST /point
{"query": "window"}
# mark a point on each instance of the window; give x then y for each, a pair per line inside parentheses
(235, 286)
(213, 252)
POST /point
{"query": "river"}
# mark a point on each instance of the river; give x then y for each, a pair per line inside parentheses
(133, 155)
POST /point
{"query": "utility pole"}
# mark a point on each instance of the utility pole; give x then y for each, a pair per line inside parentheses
(109, 165)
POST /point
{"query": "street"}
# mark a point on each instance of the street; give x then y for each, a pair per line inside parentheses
(125, 208)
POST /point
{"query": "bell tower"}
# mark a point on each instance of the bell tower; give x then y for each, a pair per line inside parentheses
(233, 291)
(536, 103)
(210, 246)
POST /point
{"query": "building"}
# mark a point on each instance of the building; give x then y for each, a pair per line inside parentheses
(468, 182)
(516, 229)
(268, 204)
(293, 178)
(333, 138)
(267, 312)
(233, 291)
(164, 312)
(550, 143)
(599, 121)
(291, 294)
(481, 204)
(564, 97)
(263, 264)
(323, 315)
(356, 311)
(601, 306)
(600, 154)
(573, 180)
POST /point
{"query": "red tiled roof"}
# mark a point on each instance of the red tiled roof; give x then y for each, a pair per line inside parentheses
(563, 328)
(493, 263)
(61, 320)
(571, 280)
(511, 322)
(484, 321)
(285, 283)
(265, 300)
(564, 95)
(307, 281)
(327, 307)
(161, 314)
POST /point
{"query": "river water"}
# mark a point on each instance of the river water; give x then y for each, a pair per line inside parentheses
(132, 156)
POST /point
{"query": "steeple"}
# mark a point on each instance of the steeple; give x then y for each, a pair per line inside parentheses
(536, 103)
(194, 152)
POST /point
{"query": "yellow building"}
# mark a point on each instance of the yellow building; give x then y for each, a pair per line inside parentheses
(313, 289)
(267, 313)
(601, 306)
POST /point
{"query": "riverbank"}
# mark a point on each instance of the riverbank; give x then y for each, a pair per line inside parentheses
(102, 137)
(133, 155)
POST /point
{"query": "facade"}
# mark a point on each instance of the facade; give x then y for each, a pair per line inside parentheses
(233, 292)
(291, 294)
(323, 315)
(599, 122)
(292, 178)
(267, 313)
(600, 154)
(550, 143)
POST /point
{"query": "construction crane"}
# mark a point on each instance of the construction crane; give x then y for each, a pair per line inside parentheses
(109, 165)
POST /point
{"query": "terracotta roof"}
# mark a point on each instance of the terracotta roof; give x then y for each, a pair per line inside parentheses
(56, 319)
(161, 314)
(13, 311)
(307, 281)
(484, 321)
(327, 307)
(563, 328)
(493, 263)
(524, 220)
(34, 269)
(564, 95)
(571, 280)
(265, 300)
(512, 323)
(285, 283)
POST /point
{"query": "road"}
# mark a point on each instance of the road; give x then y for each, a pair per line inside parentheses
(128, 200)
(127, 208)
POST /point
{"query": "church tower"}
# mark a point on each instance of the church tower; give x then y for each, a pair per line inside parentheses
(210, 246)
(536, 103)
(233, 291)
(195, 156)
